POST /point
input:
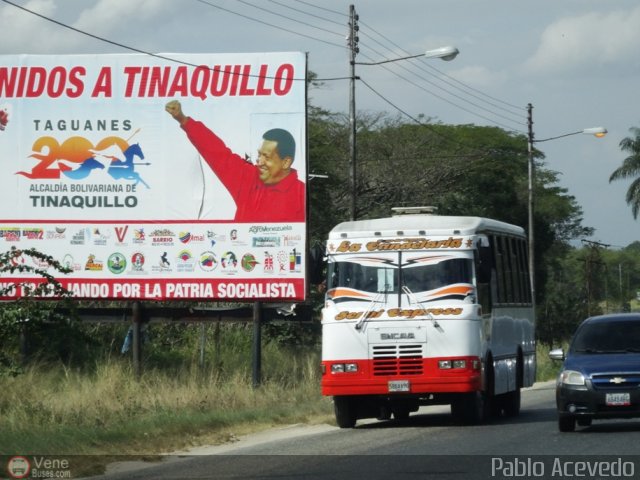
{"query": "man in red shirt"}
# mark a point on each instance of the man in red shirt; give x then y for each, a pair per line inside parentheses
(269, 191)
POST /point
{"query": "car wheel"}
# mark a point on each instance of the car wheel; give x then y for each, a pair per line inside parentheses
(566, 423)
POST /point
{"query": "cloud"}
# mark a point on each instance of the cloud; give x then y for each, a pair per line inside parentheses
(479, 76)
(24, 32)
(589, 41)
(43, 36)
(107, 16)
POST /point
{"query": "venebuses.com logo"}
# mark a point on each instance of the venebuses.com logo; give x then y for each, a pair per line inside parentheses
(20, 466)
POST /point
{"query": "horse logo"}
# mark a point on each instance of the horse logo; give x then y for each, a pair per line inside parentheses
(77, 158)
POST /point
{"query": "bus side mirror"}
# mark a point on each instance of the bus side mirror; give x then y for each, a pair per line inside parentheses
(556, 354)
(317, 264)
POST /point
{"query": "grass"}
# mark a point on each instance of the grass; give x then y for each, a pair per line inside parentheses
(547, 369)
(105, 411)
(62, 411)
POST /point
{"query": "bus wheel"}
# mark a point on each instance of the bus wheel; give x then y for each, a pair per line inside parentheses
(511, 400)
(384, 412)
(471, 409)
(345, 410)
(401, 413)
(511, 403)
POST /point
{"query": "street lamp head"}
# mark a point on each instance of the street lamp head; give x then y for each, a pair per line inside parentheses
(445, 53)
(598, 132)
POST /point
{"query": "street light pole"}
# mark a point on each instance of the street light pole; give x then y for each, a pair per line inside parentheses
(444, 53)
(598, 132)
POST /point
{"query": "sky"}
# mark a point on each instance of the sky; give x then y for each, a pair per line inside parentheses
(575, 61)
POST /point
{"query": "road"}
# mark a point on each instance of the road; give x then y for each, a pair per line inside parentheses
(427, 445)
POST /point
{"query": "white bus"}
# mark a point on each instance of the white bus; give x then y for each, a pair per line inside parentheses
(424, 309)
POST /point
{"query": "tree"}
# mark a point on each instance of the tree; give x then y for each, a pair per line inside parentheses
(564, 304)
(630, 168)
(328, 155)
(35, 308)
(461, 169)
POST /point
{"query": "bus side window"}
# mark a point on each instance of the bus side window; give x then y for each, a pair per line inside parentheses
(484, 264)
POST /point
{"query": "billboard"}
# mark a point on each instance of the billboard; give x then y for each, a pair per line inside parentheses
(177, 176)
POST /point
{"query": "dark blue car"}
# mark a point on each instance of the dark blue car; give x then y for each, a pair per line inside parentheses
(600, 377)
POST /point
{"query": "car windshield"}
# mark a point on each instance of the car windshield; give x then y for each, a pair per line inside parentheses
(623, 336)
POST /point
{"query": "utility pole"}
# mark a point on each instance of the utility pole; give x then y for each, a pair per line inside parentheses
(598, 132)
(531, 173)
(593, 258)
(352, 40)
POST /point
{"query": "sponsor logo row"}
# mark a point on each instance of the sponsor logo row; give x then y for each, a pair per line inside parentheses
(184, 261)
(257, 237)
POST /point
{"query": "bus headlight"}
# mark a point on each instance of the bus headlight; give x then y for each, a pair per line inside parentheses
(449, 364)
(344, 368)
(459, 364)
(444, 364)
(337, 368)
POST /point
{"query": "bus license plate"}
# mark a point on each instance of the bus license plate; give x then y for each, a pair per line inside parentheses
(618, 399)
(399, 385)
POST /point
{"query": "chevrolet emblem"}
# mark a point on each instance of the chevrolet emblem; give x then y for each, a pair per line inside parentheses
(617, 380)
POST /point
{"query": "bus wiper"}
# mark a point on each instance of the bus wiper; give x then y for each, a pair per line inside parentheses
(372, 305)
(414, 299)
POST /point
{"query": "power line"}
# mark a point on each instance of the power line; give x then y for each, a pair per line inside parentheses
(208, 3)
(137, 50)
(518, 109)
(322, 8)
(517, 122)
(417, 121)
(268, 24)
(443, 98)
(421, 87)
(102, 39)
(306, 13)
(449, 92)
(289, 18)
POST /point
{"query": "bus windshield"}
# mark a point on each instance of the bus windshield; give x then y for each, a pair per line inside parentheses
(431, 276)
(390, 273)
(373, 279)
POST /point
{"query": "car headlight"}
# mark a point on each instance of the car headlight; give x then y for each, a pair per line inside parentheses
(571, 377)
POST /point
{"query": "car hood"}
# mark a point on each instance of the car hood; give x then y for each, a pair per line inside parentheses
(592, 363)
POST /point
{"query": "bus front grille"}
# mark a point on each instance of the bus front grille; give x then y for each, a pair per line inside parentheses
(394, 360)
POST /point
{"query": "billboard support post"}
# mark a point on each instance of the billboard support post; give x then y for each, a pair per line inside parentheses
(257, 344)
(137, 321)
(24, 341)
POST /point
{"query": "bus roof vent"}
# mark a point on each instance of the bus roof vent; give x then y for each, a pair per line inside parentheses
(414, 210)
